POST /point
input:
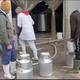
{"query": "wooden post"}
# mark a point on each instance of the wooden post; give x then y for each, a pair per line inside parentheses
(53, 23)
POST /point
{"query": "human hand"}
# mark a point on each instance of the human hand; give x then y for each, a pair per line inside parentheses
(9, 46)
(0, 41)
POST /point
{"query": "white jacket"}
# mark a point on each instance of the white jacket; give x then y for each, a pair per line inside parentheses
(26, 22)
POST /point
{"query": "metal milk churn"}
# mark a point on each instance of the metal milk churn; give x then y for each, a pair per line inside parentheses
(70, 54)
(71, 46)
(25, 68)
(45, 64)
(24, 74)
(24, 56)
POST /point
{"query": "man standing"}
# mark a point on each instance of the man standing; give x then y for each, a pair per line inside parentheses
(75, 31)
(6, 40)
(26, 33)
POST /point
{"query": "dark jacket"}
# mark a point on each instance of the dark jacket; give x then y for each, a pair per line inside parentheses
(75, 24)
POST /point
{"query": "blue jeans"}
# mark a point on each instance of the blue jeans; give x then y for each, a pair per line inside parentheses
(8, 55)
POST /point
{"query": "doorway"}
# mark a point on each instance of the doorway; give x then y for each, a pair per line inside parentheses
(59, 18)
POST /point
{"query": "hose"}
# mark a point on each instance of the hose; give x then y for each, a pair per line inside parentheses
(53, 45)
(55, 51)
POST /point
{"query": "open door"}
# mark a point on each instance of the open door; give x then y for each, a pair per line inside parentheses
(59, 18)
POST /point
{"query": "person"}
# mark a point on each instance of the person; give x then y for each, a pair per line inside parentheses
(75, 31)
(7, 42)
(26, 32)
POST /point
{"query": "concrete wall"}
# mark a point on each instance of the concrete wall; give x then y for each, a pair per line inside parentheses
(68, 7)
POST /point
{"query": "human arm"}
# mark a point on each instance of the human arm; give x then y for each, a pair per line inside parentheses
(19, 25)
(3, 30)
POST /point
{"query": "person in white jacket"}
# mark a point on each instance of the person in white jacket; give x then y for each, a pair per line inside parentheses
(27, 35)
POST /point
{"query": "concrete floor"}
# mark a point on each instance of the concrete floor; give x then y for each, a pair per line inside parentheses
(59, 72)
(59, 62)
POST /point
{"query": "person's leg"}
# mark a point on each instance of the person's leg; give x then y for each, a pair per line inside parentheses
(13, 60)
(23, 46)
(34, 49)
(6, 57)
(77, 52)
(7, 74)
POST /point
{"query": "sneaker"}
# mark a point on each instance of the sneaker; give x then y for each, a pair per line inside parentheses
(13, 73)
(36, 59)
(9, 76)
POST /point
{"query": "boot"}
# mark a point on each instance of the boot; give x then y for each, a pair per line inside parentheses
(35, 56)
(13, 67)
(7, 74)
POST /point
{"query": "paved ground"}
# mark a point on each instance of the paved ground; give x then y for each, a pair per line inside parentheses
(59, 71)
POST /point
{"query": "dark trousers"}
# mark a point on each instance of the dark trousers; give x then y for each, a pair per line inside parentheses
(77, 51)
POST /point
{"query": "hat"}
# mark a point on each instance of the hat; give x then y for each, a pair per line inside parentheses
(19, 9)
(5, 5)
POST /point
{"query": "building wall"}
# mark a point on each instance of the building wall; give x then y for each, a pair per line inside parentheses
(53, 4)
(68, 7)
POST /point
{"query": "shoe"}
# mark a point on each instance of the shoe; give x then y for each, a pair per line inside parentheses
(7, 74)
(13, 73)
(35, 58)
(13, 67)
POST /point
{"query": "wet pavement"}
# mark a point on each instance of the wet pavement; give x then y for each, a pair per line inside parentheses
(59, 71)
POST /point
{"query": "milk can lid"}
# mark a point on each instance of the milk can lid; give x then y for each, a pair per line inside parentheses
(24, 55)
(45, 53)
(24, 61)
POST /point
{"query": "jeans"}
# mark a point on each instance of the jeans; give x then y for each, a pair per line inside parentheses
(77, 51)
(8, 55)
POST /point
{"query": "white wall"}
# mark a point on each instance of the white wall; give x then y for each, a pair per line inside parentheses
(69, 7)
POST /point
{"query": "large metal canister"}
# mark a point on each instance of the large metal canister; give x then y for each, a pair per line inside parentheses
(71, 47)
(45, 64)
(24, 67)
(24, 74)
(24, 56)
(24, 63)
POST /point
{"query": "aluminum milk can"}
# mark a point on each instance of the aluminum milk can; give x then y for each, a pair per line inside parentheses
(24, 56)
(71, 46)
(24, 74)
(24, 63)
(25, 68)
(45, 64)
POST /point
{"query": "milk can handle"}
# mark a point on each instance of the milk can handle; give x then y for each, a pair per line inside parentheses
(53, 45)
(18, 63)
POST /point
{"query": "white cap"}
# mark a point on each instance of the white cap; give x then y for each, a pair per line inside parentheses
(19, 9)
